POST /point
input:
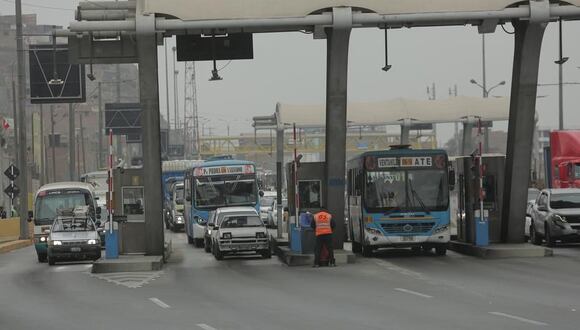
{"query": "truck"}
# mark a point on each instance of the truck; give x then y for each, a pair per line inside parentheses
(562, 160)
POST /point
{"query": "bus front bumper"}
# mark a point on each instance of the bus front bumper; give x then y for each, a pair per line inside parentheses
(406, 240)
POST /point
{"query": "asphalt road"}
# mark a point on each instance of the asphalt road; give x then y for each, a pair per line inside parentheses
(395, 290)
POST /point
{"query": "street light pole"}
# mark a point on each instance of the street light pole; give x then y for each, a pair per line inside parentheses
(560, 63)
(23, 159)
(485, 91)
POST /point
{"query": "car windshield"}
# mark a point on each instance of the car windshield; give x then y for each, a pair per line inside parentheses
(565, 201)
(214, 192)
(420, 190)
(72, 225)
(48, 205)
(241, 222)
(267, 201)
(179, 196)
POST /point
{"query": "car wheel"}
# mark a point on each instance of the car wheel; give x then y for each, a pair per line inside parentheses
(550, 241)
(189, 240)
(441, 250)
(51, 261)
(267, 254)
(217, 253)
(534, 237)
(41, 258)
(367, 251)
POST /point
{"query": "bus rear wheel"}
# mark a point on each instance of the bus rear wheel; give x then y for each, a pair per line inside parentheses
(189, 240)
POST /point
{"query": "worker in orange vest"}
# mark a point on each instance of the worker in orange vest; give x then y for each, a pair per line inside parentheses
(323, 226)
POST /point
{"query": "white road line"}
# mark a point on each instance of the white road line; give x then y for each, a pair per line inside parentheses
(159, 303)
(205, 326)
(413, 293)
(517, 318)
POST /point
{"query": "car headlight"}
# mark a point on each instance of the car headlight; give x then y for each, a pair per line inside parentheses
(374, 231)
(441, 229)
(261, 235)
(55, 243)
(43, 239)
(559, 221)
(227, 235)
(179, 219)
(92, 242)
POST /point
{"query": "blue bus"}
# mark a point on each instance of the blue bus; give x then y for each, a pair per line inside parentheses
(399, 198)
(216, 184)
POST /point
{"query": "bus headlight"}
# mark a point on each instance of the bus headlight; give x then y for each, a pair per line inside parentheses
(43, 239)
(201, 221)
(374, 231)
(441, 229)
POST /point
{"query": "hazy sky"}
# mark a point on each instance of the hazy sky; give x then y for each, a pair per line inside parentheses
(291, 68)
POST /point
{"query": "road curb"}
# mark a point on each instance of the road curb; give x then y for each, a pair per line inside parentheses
(14, 245)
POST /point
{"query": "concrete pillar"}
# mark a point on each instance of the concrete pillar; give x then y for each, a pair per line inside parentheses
(467, 141)
(338, 38)
(149, 99)
(405, 132)
(71, 144)
(528, 43)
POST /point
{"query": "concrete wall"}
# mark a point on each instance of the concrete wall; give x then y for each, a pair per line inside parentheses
(10, 228)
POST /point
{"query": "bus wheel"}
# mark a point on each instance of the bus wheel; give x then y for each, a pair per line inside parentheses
(189, 240)
(367, 251)
(356, 247)
(198, 242)
(441, 250)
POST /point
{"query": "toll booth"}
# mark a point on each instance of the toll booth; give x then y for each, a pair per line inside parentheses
(129, 197)
(465, 197)
(311, 183)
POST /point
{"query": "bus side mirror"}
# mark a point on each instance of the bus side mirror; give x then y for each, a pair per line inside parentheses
(30, 216)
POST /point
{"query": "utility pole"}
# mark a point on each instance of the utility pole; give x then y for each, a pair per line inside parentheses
(167, 98)
(83, 142)
(42, 158)
(16, 122)
(101, 128)
(485, 91)
(175, 90)
(71, 143)
(560, 63)
(23, 159)
(53, 143)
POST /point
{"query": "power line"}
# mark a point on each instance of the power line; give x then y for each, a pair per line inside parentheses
(39, 6)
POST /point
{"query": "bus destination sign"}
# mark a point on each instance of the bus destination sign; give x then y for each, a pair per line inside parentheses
(405, 162)
(224, 170)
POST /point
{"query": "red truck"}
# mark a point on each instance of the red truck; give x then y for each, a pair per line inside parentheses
(562, 160)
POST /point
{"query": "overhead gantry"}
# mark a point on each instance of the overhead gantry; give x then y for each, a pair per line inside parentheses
(134, 29)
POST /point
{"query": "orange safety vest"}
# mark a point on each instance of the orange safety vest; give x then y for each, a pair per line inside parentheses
(322, 220)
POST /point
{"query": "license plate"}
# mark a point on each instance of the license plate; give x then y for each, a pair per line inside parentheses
(408, 238)
(75, 249)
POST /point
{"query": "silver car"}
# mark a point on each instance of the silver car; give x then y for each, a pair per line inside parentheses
(556, 217)
(73, 236)
(240, 230)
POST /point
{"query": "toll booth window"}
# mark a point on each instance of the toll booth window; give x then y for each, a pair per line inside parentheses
(133, 198)
(309, 193)
(577, 171)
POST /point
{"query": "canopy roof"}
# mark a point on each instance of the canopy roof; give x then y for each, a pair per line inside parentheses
(258, 9)
(394, 112)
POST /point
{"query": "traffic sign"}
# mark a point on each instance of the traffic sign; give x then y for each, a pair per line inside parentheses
(12, 172)
(12, 191)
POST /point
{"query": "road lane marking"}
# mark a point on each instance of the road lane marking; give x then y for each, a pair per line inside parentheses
(159, 303)
(517, 318)
(400, 270)
(413, 293)
(205, 326)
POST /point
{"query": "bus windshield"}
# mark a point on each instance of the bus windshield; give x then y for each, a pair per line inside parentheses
(397, 190)
(218, 191)
(47, 206)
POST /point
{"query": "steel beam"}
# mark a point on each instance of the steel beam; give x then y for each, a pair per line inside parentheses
(149, 99)
(279, 172)
(528, 44)
(338, 38)
(467, 141)
(359, 19)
